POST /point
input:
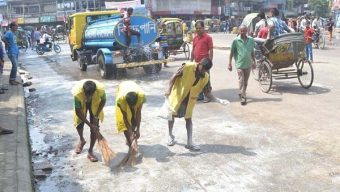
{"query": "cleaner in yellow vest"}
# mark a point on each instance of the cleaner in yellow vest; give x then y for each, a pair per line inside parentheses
(89, 96)
(129, 102)
(184, 87)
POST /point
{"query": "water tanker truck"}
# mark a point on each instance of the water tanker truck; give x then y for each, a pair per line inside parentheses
(104, 43)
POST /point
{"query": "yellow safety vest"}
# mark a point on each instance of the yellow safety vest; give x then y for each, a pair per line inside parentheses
(123, 89)
(184, 86)
(79, 94)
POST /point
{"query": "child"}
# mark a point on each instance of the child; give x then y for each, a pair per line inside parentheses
(308, 33)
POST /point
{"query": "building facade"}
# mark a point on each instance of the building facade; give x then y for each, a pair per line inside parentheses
(44, 12)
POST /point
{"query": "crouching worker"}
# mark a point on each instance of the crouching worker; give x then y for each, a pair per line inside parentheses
(129, 102)
(89, 96)
(184, 87)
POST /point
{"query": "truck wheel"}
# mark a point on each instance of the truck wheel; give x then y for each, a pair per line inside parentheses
(106, 71)
(81, 63)
(152, 69)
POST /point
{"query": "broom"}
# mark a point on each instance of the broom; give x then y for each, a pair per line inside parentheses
(130, 159)
(107, 153)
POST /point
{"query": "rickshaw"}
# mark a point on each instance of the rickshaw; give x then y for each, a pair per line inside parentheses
(282, 58)
(176, 40)
(22, 39)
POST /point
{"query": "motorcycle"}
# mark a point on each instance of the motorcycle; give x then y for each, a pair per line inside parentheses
(43, 47)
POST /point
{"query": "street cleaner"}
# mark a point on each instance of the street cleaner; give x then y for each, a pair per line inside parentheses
(184, 87)
(129, 102)
(89, 96)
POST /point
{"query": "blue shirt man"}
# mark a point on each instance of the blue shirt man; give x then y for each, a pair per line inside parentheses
(13, 52)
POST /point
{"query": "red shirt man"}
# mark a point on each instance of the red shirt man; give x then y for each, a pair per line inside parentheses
(263, 33)
(308, 33)
(202, 44)
(202, 48)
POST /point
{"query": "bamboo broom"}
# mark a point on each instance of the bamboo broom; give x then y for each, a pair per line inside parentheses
(107, 153)
(130, 159)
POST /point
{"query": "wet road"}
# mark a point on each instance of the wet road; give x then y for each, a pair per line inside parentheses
(283, 141)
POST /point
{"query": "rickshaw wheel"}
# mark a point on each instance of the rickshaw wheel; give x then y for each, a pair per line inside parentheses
(305, 73)
(265, 76)
(186, 50)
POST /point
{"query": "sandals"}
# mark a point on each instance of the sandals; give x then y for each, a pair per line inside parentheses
(193, 147)
(79, 147)
(14, 82)
(92, 158)
(6, 131)
(171, 141)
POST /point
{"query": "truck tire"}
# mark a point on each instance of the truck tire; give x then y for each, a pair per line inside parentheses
(81, 63)
(106, 71)
(152, 69)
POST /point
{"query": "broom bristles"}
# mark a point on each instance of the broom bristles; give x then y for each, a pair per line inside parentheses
(107, 153)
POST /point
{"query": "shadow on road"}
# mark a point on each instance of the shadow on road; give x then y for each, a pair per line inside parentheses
(232, 96)
(295, 88)
(220, 149)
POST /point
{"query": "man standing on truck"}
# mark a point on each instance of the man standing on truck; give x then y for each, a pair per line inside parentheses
(127, 28)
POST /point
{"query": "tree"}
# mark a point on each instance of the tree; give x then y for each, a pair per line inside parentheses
(320, 7)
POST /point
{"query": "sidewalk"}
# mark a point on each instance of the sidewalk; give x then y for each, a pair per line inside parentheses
(15, 156)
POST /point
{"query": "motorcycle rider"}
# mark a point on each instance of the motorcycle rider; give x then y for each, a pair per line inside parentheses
(47, 40)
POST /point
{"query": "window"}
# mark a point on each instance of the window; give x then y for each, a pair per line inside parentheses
(96, 17)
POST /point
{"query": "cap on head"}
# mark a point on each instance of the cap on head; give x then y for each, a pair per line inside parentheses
(206, 64)
(89, 88)
(131, 98)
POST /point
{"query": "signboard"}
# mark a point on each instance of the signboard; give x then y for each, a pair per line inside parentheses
(47, 19)
(4, 23)
(32, 20)
(227, 11)
(121, 5)
(3, 2)
(144, 25)
(20, 20)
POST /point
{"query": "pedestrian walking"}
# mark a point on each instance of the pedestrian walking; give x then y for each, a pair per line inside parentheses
(164, 43)
(12, 51)
(203, 48)
(330, 26)
(89, 96)
(242, 49)
(184, 87)
(308, 33)
(129, 102)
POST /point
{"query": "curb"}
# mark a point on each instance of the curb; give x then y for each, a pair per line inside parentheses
(24, 159)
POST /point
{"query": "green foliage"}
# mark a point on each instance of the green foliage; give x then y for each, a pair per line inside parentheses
(320, 7)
